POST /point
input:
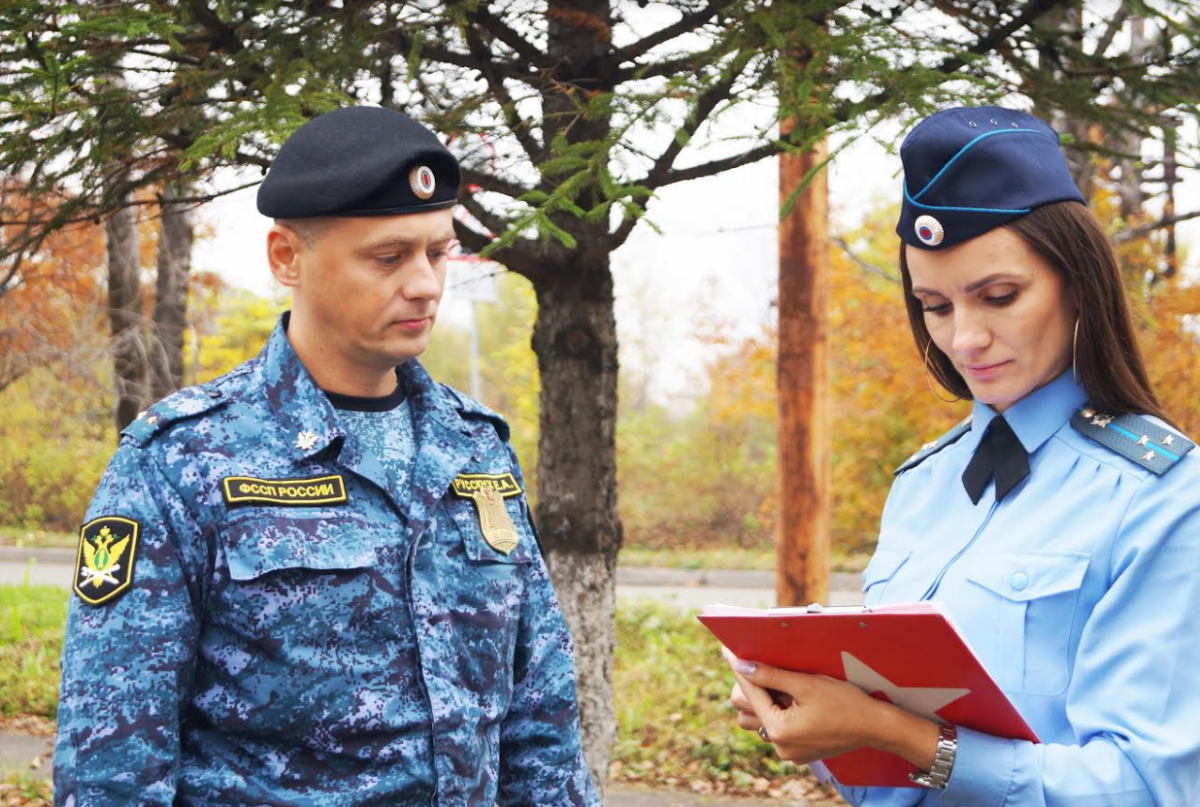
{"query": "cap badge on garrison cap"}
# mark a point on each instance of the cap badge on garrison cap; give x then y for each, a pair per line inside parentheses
(420, 179)
(929, 230)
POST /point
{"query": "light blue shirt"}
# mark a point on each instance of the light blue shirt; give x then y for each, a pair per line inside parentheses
(1080, 593)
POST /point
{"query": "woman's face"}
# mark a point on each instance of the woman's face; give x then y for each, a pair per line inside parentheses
(999, 311)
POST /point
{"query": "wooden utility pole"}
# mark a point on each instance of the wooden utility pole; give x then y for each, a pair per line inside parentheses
(802, 541)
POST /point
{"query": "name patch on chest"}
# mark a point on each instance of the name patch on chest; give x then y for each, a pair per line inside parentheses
(289, 492)
(467, 485)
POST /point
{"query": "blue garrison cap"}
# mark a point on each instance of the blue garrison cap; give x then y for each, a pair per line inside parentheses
(972, 169)
(359, 161)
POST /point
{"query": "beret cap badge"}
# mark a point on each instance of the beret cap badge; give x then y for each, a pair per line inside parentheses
(929, 230)
(421, 180)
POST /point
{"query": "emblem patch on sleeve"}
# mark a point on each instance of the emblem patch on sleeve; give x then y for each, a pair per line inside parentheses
(104, 563)
(290, 492)
(489, 491)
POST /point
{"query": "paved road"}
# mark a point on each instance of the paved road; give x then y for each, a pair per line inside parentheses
(690, 589)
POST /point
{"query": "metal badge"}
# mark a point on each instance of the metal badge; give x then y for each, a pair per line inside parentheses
(421, 180)
(929, 230)
(494, 520)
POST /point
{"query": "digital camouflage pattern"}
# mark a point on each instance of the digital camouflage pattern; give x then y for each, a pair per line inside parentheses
(372, 651)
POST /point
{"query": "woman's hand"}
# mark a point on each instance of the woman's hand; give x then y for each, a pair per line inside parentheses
(820, 717)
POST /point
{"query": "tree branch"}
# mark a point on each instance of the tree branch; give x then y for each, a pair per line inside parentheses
(493, 183)
(864, 265)
(519, 45)
(686, 24)
(717, 166)
(1146, 229)
(705, 105)
(1110, 33)
(951, 64)
(494, 223)
(508, 107)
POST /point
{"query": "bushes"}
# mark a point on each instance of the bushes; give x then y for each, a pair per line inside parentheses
(55, 440)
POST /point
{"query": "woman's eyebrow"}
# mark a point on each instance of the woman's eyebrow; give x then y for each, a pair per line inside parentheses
(975, 286)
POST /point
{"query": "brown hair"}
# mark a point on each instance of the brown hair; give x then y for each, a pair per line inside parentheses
(1108, 359)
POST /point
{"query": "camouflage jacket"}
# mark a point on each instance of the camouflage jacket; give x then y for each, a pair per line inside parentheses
(258, 619)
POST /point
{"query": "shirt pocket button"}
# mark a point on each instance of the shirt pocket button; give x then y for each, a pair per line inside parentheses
(1019, 581)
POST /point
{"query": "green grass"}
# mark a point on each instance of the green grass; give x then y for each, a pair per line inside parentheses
(17, 536)
(31, 633)
(21, 789)
(675, 724)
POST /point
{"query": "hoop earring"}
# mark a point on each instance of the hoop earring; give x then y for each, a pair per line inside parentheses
(1075, 353)
(929, 380)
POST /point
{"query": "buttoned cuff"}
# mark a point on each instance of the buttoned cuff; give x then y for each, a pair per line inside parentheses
(983, 770)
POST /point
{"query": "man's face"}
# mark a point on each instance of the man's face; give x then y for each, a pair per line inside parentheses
(372, 285)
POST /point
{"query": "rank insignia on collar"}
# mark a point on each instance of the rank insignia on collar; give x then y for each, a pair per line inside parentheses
(104, 562)
(489, 491)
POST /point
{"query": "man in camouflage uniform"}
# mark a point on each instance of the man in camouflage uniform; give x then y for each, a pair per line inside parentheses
(314, 581)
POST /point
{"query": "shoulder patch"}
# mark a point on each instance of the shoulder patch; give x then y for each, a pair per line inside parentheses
(187, 402)
(1134, 437)
(929, 449)
(468, 407)
(104, 560)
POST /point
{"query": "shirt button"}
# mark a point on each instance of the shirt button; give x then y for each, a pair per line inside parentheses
(1019, 581)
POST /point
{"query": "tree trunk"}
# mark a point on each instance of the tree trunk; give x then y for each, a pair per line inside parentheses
(170, 297)
(802, 542)
(575, 338)
(125, 314)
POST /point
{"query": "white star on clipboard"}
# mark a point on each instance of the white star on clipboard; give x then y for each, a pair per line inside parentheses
(924, 701)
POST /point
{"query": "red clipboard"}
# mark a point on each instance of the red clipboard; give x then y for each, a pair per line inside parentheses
(910, 654)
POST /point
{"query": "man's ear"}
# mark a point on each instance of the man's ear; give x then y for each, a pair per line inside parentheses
(284, 247)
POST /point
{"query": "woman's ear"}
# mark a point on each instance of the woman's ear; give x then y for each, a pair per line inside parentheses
(284, 247)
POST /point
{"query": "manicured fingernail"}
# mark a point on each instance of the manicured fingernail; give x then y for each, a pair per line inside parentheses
(744, 667)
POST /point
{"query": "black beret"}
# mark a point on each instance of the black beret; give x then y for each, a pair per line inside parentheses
(972, 169)
(359, 161)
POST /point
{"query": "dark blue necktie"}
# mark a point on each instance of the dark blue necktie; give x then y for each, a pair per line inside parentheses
(1000, 454)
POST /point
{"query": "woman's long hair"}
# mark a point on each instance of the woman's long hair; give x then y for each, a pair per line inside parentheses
(1108, 359)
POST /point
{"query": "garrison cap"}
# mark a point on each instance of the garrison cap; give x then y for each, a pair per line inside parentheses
(972, 169)
(359, 161)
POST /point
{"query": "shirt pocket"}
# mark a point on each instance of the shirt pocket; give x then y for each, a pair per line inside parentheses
(1036, 596)
(880, 571)
(260, 545)
(475, 546)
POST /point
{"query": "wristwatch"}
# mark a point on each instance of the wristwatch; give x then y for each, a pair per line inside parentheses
(943, 760)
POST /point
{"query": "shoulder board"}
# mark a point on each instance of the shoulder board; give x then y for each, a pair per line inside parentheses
(1134, 437)
(187, 402)
(470, 408)
(929, 449)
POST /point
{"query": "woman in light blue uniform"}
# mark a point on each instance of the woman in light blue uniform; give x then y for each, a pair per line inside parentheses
(1059, 525)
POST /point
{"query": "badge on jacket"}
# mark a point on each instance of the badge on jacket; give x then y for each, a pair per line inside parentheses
(489, 491)
(104, 562)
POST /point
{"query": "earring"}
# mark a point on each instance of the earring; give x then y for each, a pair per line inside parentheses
(1075, 353)
(929, 380)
